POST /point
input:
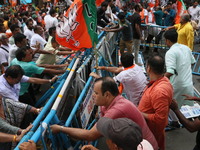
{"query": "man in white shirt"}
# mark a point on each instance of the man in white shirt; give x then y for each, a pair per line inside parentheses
(51, 20)
(4, 51)
(20, 41)
(14, 29)
(194, 11)
(29, 31)
(131, 78)
(37, 38)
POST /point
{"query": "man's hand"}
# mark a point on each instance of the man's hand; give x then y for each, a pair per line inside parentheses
(54, 78)
(88, 147)
(30, 145)
(93, 74)
(55, 128)
(101, 67)
(23, 132)
(188, 97)
(174, 105)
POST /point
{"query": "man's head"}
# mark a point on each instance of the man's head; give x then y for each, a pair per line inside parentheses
(13, 74)
(3, 39)
(195, 4)
(104, 5)
(38, 29)
(123, 132)
(54, 43)
(121, 17)
(2, 28)
(156, 65)
(171, 37)
(20, 40)
(138, 8)
(169, 6)
(14, 29)
(52, 12)
(52, 31)
(105, 90)
(127, 60)
(29, 24)
(185, 18)
(24, 54)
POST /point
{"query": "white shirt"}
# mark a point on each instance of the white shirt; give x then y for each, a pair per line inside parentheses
(50, 21)
(4, 55)
(29, 33)
(36, 38)
(134, 82)
(12, 51)
(145, 145)
(194, 12)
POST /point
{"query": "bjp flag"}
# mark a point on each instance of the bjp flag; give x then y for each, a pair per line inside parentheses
(78, 29)
(181, 9)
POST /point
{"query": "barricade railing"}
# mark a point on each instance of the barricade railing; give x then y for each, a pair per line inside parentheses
(196, 66)
(42, 128)
(153, 37)
(52, 117)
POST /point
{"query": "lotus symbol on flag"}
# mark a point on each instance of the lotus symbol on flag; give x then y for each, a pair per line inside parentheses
(67, 26)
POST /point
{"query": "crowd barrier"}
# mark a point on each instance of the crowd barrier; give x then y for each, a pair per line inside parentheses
(153, 36)
(59, 92)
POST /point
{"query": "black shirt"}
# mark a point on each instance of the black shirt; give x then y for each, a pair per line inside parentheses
(135, 19)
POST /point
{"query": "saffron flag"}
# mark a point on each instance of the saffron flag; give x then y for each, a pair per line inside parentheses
(13, 3)
(78, 30)
(181, 9)
(98, 2)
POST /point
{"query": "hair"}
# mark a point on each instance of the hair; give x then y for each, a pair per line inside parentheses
(108, 84)
(14, 71)
(171, 35)
(52, 11)
(104, 4)
(121, 15)
(2, 36)
(21, 52)
(13, 27)
(1, 26)
(19, 37)
(157, 64)
(159, 8)
(169, 3)
(51, 30)
(127, 59)
(137, 7)
(29, 20)
(186, 17)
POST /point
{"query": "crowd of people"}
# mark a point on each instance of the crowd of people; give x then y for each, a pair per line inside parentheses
(29, 52)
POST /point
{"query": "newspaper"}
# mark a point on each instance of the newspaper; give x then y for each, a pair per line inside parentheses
(191, 111)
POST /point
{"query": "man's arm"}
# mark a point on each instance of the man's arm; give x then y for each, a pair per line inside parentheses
(52, 66)
(41, 81)
(168, 75)
(81, 134)
(111, 69)
(53, 71)
(191, 126)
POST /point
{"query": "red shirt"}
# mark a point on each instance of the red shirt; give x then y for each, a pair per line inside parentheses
(155, 102)
(123, 108)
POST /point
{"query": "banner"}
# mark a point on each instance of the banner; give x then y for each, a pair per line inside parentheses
(181, 9)
(78, 30)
